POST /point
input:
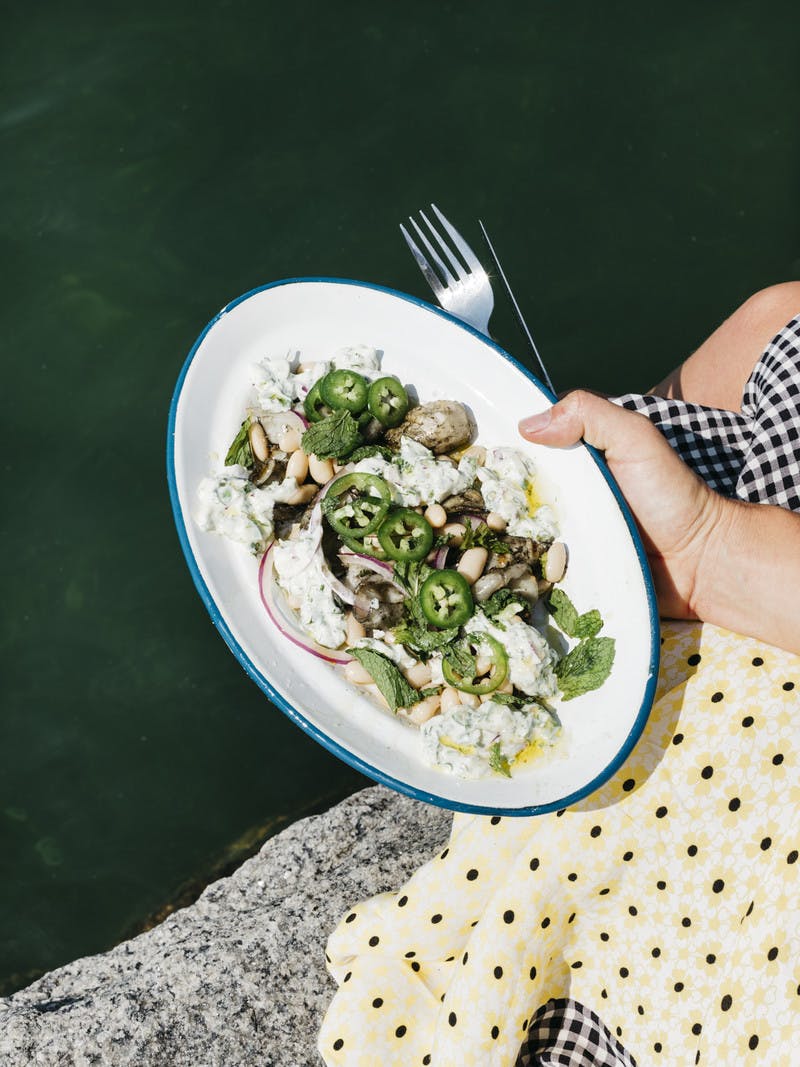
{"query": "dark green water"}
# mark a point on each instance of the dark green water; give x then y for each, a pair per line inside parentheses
(637, 166)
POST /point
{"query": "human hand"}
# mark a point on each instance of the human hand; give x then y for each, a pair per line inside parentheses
(675, 510)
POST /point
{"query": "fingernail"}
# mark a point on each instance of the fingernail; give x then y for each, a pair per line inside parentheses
(535, 423)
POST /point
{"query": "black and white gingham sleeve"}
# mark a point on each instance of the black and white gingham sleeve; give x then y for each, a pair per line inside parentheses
(754, 455)
(564, 1033)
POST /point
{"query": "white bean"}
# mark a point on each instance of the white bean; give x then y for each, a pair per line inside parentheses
(455, 531)
(289, 440)
(297, 467)
(357, 674)
(355, 631)
(436, 516)
(303, 494)
(419, 675)
(495, 521)
(426, 709)
(259, 444)
(472, 563)
(556, 562)
(321, 470)
(451, 698)
(476, 452)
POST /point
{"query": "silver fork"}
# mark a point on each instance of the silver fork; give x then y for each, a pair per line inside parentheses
(462, 290)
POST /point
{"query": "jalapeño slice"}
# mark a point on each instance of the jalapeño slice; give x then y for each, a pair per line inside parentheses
(487, 682)
(405, 535)
(388, 401)
(446, 599)
(356, 504)
(344, 389)
(314, 406)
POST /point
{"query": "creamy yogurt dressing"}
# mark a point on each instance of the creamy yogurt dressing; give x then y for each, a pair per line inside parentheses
(417, 476)
(298, 567)
(229, 504)
(461, 740)
(278, 387)
(506, 480)
(531, 660)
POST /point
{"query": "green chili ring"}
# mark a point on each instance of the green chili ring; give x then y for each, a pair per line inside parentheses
(314, 405)
(405, 535)
(446, 599)
(388, 401)
(356, 504)
(344, 390)
(498, 671)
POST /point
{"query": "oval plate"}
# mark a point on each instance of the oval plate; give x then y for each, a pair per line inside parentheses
(441, 357)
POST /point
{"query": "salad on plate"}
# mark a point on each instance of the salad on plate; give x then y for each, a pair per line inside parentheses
(421, 564)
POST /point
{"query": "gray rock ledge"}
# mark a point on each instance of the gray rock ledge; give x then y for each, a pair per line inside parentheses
(239, 977)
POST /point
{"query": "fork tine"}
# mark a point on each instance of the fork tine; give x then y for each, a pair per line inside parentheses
(445, 272)
(456, 266)
(422, 263)
(469, 256)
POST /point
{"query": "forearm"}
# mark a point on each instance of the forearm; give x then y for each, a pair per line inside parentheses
(748, 579)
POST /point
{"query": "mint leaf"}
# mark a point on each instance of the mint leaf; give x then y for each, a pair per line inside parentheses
(499, 601)
(567, 618)
(394, 686)
(498, 762)
(511, 700)
(563, 611)
(459, 656)
(333, 437)
(589, 624)
(586, 667)
(366, 451)
(240, 451)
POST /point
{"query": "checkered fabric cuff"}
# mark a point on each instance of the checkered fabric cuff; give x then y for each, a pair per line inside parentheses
(564, 1033)
(754, 455)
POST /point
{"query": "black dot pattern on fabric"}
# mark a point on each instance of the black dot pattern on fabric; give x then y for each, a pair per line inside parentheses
(472, 874)
(706, 772)
(401, 1031)
(656, 952)
(661, 811)
(338, 1043)
(426, 1059)
(604, 935)
(508, 917)
(747, 721)
(464, 959)
(348, 976)
(437, 918)
(676, 740)
(752, 1044)
(411, 954)
(350, 917)
(495, 820)
(545, 922)
(628, 784)
(532, 974)
(596, 831)
(718, 885)
(415, 966)
(716, 697)
(444, 855)
(661, 884)
(792, 856)
(451, 1018)
(498, 972)
(534, 864)
(758, 661)
(627, 856)
(772, 954)
(788, 686)
(401, 903)
(495, 1032)
(694, 659)
(374, 940)
(725, 1003)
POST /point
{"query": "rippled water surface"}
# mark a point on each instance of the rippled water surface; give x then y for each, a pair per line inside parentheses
(638, 171)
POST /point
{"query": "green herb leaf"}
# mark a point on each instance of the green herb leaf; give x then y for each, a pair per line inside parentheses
(240, 451)
(333, 437)
(431, 691)
(498, 762)
(563, 611)
(499, 601)
(460, 657)
(480, 536)
(394, 686)
(511, 700)
(366, 451)
(567, 618)
(586, 666)
(589, 624)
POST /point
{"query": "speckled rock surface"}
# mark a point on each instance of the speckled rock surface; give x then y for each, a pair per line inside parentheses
(239, 977)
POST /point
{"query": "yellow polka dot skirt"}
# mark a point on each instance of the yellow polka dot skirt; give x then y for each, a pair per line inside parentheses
(666, 902)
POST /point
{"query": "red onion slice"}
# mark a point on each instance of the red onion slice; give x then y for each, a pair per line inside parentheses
(278, 611)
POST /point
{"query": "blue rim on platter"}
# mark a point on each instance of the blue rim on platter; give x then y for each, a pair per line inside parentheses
(291, 712)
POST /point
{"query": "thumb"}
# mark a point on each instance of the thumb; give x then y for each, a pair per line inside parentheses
(600, 423)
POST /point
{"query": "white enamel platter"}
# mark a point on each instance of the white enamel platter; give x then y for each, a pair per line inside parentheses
(440, 357)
